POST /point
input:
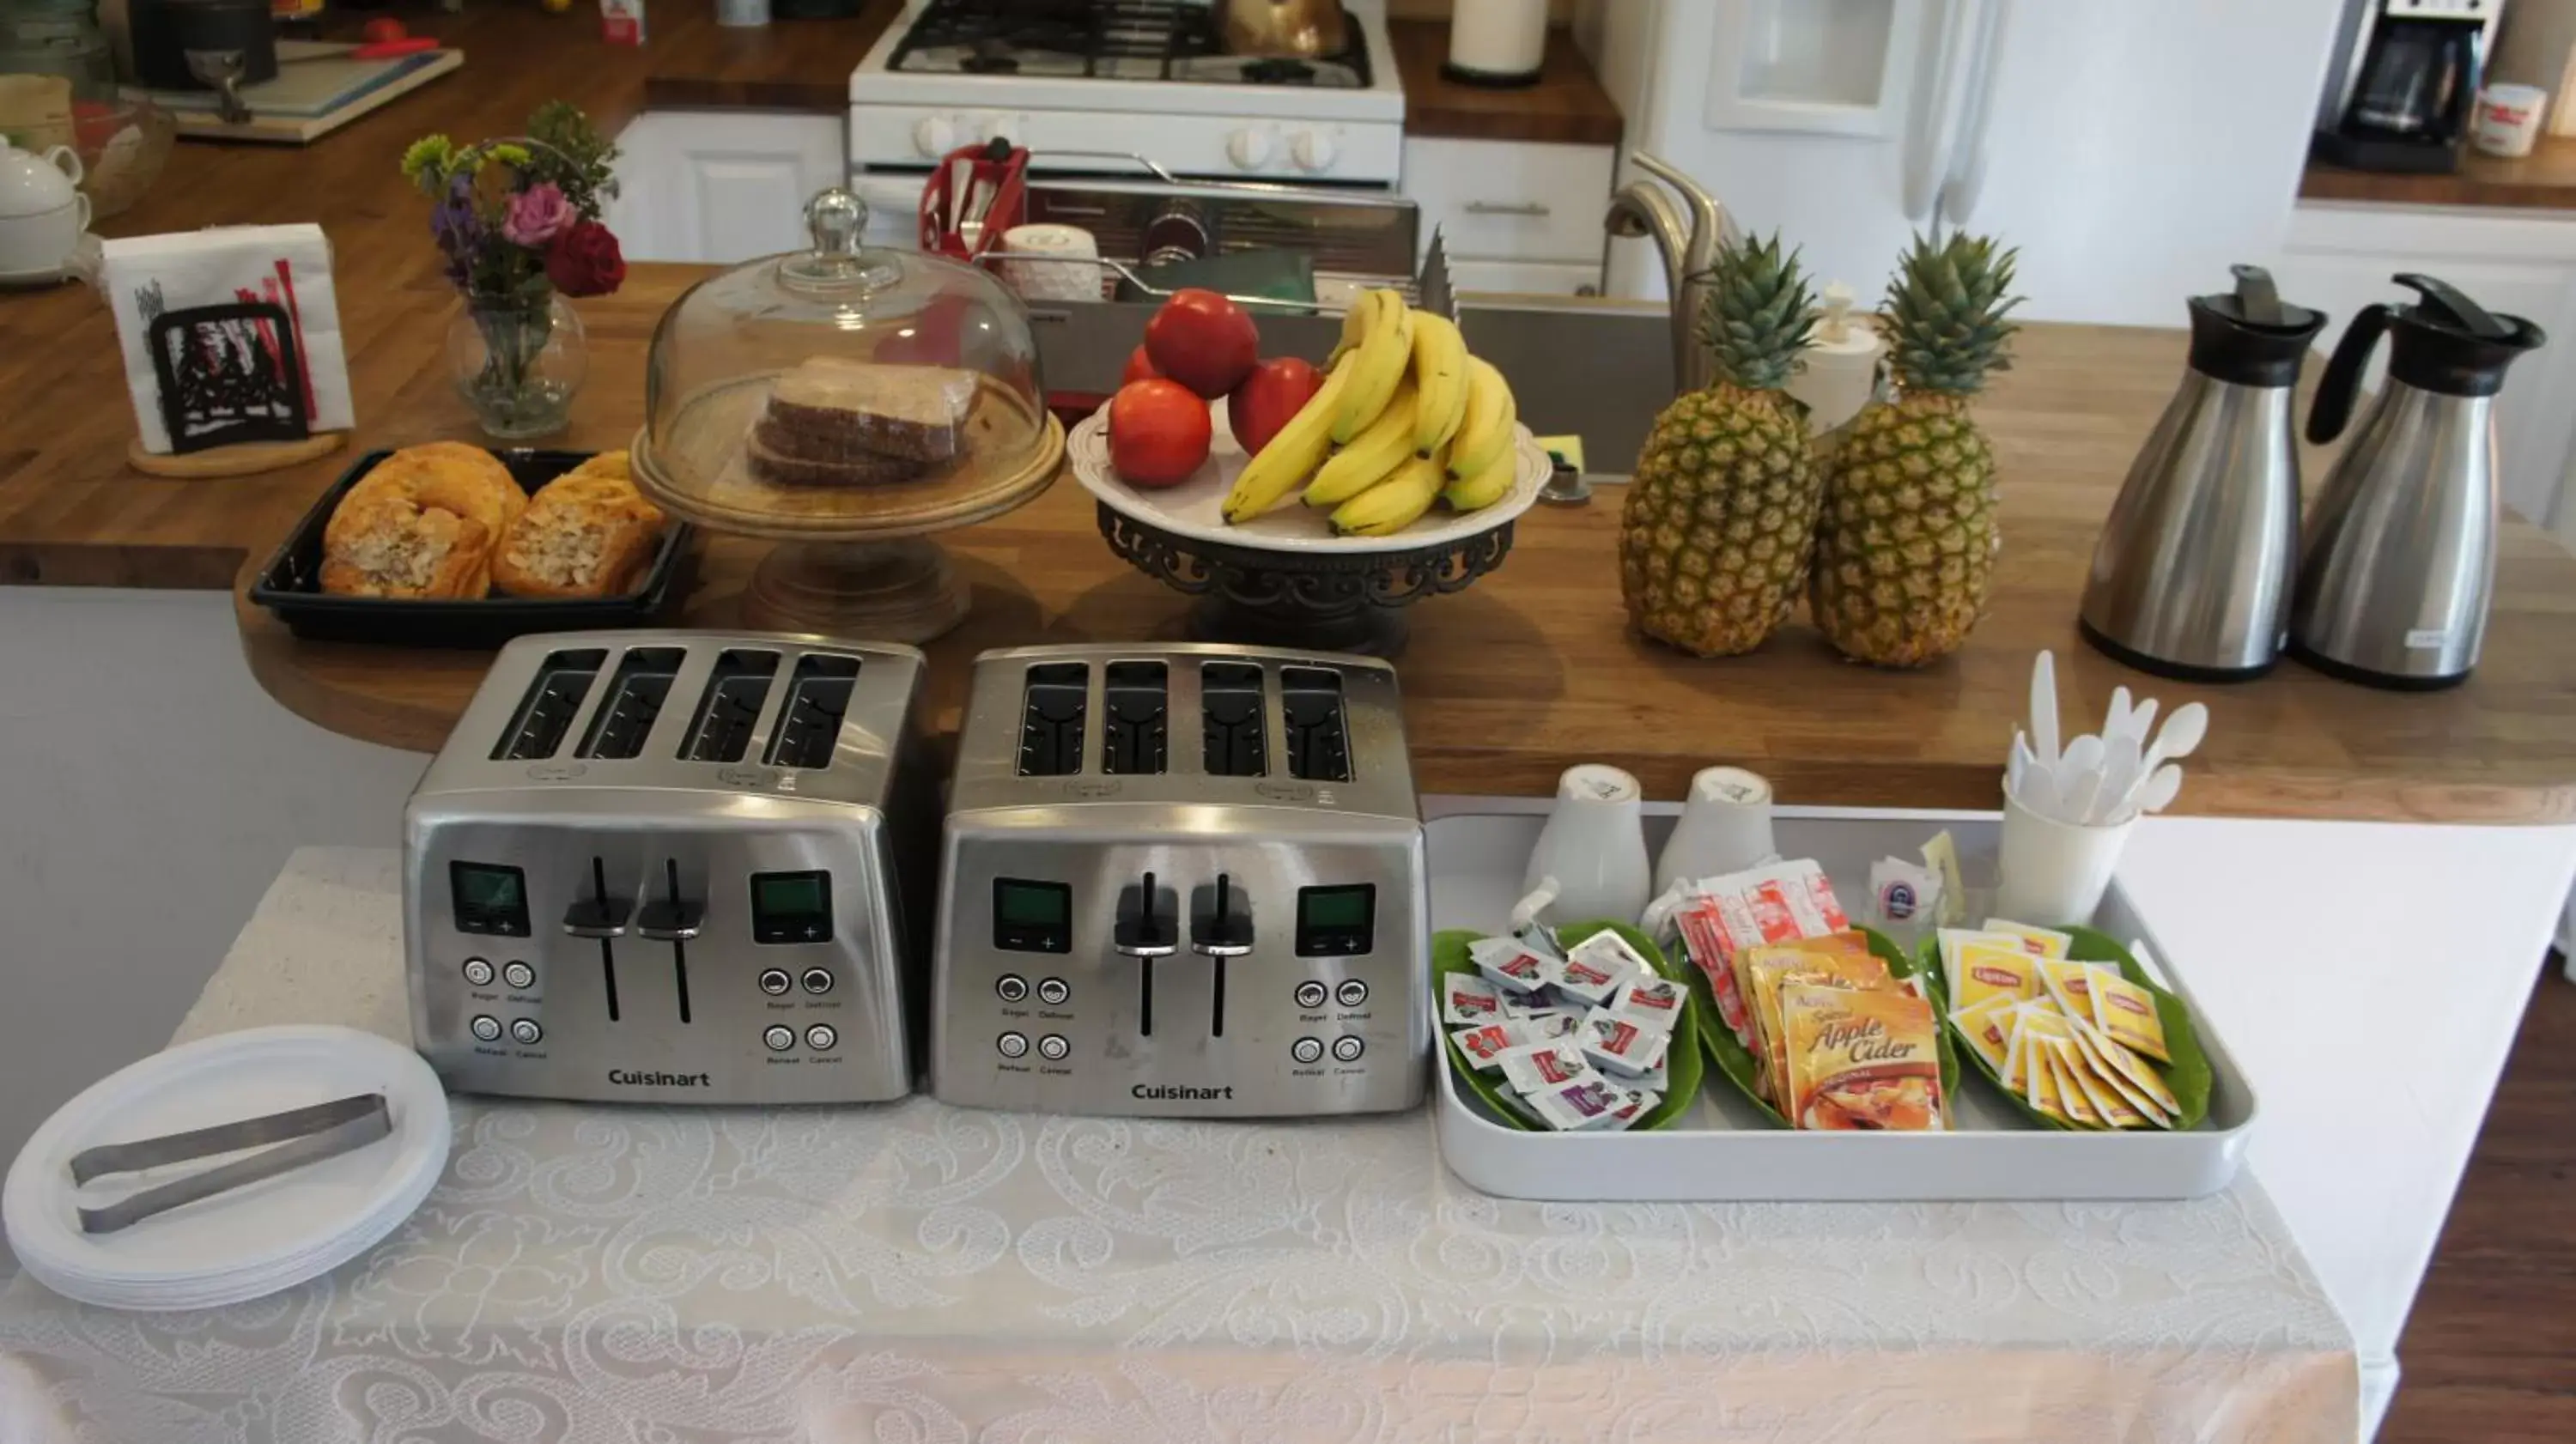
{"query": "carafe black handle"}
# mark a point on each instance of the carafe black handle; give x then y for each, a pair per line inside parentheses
(2337, 389)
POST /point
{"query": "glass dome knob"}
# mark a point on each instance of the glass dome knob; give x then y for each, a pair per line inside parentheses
(836, 219)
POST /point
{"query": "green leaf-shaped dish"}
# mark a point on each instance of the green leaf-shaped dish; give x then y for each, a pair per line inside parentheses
(1449, 955)
(1736, 1061)
(2188, 1075)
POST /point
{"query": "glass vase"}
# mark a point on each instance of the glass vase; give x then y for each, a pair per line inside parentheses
(517, 360)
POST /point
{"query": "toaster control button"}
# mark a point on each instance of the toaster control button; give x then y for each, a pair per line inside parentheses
(519, 975)
(1352, 993)
(779, 1037)
(818, 980)
(1348, 1048)
(1307, 1050)
(822, 1038)
(478, 972)
(486, 1027)
(1011, 988)
(1311, 995)
(526, 1031)
(1013, 1045)
(1053, 1047)
(775, 981)
(1053, 991)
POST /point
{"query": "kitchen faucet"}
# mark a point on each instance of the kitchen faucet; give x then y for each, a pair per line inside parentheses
(1641, 208)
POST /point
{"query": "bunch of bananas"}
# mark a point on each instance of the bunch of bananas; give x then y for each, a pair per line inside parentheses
(1405, 418)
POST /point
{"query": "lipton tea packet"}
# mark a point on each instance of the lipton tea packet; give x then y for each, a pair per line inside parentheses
(2071, 1102)
(1954, 941)
(2128, 1013)
(2031, 1022)
(1812, 960)
(1861, 1060)
(2132, 1074)
(2038, 942)
(2065, 984)
(2039, 1080)
(2109, 1104)
(1982, 1027)
(1989, 970)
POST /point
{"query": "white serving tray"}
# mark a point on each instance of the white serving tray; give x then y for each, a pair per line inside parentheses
(1722, 1149)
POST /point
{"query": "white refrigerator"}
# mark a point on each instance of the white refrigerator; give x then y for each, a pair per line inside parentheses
(2132, 149)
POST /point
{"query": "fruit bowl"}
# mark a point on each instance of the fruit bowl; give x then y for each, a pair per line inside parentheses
(1283, 578)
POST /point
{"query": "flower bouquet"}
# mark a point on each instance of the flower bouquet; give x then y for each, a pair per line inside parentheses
(517, 220)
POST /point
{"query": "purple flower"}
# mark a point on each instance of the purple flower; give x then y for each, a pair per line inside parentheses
(459, 231)
(536, 215)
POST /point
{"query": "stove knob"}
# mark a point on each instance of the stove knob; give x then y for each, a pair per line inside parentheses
(1249, 147)
(1002, 127)
(934, 136)
(1313, 150)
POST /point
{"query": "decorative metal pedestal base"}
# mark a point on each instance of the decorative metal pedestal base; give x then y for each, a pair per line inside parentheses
(882, 591)
(1339, 601)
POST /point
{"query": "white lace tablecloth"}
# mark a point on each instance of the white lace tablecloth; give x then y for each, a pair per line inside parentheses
(921, 1273)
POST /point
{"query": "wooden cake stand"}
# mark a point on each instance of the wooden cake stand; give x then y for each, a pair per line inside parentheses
(851, 561)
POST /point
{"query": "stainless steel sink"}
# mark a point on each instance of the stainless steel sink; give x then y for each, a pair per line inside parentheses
(1597, 369)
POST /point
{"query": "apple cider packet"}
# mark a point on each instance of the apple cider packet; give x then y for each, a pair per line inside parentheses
(1861, 1060)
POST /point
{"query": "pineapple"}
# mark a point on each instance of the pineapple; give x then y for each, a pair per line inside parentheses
(1713, 543)
(1909, 538)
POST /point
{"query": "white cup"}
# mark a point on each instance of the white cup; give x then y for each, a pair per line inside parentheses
(2508, 119)
(1725, 827)
(1592, 853)
(1051, 263)
(2054, 872)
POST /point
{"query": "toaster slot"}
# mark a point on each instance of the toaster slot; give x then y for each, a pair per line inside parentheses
(1232, 738)
(635, 695)
(1136, 697)
(1310, 702)
(553, 699)
(721, 730)
(818, 697)
(1052, 704)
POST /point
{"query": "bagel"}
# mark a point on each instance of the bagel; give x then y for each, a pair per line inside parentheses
(422, 523)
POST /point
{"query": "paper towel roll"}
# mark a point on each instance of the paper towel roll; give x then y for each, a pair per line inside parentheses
(1497, 41)
(1071, 279)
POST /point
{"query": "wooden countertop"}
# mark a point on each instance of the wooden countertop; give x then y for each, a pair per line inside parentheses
(2542, 180)
(1566, 106)
(1533, 667)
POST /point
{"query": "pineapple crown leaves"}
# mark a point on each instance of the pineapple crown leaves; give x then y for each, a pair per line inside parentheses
(1945, 313)
(1759, 313)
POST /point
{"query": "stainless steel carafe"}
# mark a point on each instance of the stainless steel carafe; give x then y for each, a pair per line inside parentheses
(2399, 561)
(2191, 575)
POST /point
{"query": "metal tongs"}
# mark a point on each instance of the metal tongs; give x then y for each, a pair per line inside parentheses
(301, 1136)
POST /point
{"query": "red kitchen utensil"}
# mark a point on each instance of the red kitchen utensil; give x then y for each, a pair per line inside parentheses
(975, 193)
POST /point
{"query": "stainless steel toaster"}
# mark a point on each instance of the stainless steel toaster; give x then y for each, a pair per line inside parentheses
(675, 867)
(1181, 881)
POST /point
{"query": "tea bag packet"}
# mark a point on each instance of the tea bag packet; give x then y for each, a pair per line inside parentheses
(1541, 1066)
(1622, 1046)
(1465, 1001)
(2039, 1080)
(1509, 964)
(2064, 983)
(1587, 1102)
(1941, 855)
(2038, 942)
(2131, 1074)
(1988, 970)
(1650, 1000)
(1954, 943)
(2031, 1023)
(2109, 1104)
(1906, 894)
(2128, 1014)
(2071, 1102)
(1861, 1060)
(1983, 1029)
(1486, 1044)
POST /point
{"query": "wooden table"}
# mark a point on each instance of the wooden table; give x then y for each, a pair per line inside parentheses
(2544, 179)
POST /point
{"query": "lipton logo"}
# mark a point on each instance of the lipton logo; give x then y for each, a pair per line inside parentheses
(557, 771)
(2132, 1004)
(1996, 976)
(743, 776)
(1092, 787)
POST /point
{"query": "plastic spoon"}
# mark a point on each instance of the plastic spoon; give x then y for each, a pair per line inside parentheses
(2120, 760)
(2114, 720)
(2079, 775)
(2043, 708)
(2181, 737)
(2157, 792)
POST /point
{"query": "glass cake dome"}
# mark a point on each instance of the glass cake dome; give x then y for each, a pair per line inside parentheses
(844, 391)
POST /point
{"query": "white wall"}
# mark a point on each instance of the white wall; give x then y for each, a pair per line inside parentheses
(149, 793)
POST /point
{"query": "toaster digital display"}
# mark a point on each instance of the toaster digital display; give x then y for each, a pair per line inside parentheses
(1032, 917)
(1336, 922)
(791, 907)
(490, 899)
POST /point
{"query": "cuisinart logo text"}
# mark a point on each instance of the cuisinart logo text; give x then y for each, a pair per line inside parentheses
(625, 1078)
(1178, 1091)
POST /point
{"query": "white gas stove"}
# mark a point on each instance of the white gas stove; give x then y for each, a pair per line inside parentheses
(1082, 82)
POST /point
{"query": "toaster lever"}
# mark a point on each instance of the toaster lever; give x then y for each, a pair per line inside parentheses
(1143, 929)
(669, 921)
(1222, 932)
(594, 917)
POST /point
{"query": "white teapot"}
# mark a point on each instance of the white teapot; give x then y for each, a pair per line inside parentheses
(42, 213)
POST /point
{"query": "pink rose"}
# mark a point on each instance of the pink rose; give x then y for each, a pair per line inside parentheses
(537, 215)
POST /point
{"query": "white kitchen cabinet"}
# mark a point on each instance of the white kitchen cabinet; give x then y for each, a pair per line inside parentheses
(1519, 216)
(722, 186)
(2340, 258)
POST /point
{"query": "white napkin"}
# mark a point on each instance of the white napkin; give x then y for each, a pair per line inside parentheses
(232, 388)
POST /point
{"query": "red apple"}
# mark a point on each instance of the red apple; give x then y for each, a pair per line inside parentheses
(1158, 432)
(1140, 367)
(1203, 341)
(1276, 390)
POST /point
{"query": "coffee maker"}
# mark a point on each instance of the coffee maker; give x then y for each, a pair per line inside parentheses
(2406, 93)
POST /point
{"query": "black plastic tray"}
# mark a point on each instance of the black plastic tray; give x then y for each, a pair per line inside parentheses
(291, 584)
